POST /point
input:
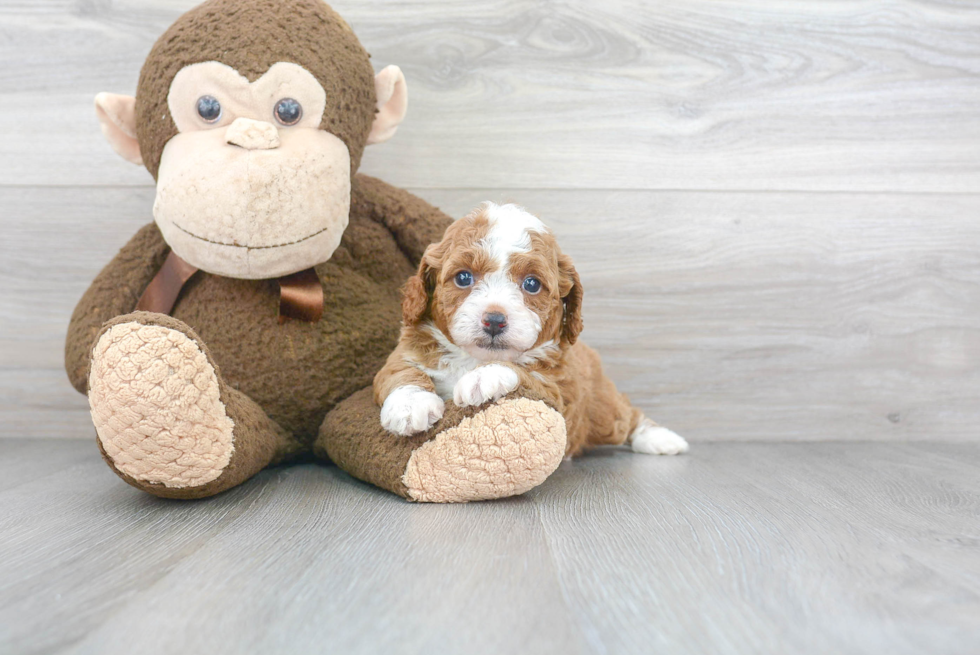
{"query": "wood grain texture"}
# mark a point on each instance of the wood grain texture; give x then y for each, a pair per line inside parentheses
(705, 94)
(736, 548)
(746, 316)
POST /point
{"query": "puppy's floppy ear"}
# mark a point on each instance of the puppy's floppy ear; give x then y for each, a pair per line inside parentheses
(571, 296)
(418, 290)
(415, 300)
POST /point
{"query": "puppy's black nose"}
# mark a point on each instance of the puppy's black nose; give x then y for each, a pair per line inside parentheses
(494, 323)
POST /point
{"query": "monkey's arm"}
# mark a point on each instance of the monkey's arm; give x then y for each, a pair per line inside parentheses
(413, 222)
(114, 292)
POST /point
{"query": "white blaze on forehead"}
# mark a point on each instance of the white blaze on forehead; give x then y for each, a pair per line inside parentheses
(510, 228)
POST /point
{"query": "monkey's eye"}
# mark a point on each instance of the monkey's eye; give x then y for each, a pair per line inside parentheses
(288, 111)
(209, 108)
(531, 284)
(464, 279)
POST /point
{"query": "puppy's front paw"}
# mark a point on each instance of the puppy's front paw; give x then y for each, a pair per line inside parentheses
(652, 439)
(488, 382)
(410, 409)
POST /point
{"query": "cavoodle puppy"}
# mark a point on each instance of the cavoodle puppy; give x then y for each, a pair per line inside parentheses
(495, 307)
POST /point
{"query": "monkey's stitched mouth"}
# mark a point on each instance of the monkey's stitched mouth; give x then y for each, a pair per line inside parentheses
(247, 247)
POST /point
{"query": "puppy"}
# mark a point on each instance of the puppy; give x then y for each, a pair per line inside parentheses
(496, 307)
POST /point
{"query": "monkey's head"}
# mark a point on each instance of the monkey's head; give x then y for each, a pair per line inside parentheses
(252, 116)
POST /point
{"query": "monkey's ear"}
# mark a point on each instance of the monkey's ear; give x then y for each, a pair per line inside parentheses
(392, 93)
(117, 116)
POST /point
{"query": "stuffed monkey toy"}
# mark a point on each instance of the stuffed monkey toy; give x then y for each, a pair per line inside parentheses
(243, 327)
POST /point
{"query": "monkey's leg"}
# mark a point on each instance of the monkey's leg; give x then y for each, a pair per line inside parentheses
(166, 422)
(476, 453)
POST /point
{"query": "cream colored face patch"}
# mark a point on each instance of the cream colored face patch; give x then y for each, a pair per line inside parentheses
(505, 450)
(253, 214)
(251, 187)
(156, 407)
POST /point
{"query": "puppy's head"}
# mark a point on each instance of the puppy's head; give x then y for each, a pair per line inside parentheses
(497, 286)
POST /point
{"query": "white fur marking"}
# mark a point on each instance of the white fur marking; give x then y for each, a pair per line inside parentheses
(454, 364)
(411, 409)
(486, 383)
(510, 228)
(523, 325)
(651, 439)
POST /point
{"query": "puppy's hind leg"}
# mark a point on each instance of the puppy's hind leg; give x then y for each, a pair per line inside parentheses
(651, 439)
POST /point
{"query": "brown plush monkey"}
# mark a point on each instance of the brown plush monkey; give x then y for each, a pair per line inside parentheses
(270, 276)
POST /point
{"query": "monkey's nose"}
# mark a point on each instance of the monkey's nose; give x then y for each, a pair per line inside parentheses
(252, 135)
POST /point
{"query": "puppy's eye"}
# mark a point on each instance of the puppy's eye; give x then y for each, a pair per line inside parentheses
(464, 279)
(209, 108)
(288, 111)
(531, 284)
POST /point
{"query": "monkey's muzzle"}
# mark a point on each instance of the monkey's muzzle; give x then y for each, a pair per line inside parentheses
(252, 201)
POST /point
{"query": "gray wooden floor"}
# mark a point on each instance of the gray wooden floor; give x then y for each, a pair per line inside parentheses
(736, 548)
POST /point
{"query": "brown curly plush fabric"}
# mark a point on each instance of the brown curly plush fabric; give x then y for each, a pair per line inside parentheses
(249, 36)
(278, 382)
(115, 291)
(472, 453)
(297, 371)
(258, 441)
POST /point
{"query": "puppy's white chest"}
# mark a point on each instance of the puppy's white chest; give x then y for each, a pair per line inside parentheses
(453, 365)
(446, 376)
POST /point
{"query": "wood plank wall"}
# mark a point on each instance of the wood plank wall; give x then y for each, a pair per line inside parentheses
(774, 206)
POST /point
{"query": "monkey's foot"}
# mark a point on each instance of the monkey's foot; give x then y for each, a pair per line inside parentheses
(156, 406)
(166, 423)
(507, 449)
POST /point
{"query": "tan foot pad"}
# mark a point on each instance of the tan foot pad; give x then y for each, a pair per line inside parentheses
(156, 407)
(505, 450)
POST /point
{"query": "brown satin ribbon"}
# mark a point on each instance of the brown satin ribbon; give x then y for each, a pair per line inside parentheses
(300, 294)
(163, 290)
(301, 297)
